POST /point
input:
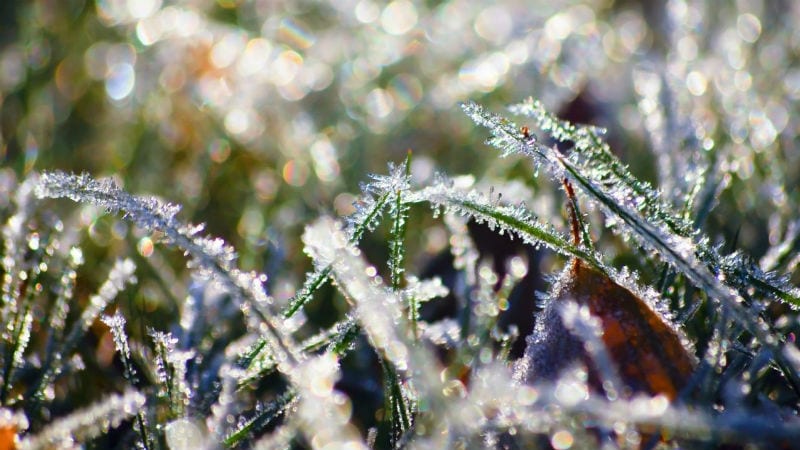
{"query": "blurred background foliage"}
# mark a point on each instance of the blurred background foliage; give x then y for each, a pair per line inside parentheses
(258, 116)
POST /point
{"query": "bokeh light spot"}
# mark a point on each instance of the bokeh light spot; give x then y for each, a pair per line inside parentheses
(295, 34)
(139, 9)
(399, 17)
(749, 27)
(696, 83)
(295, 173)
(145, 247)
(562, 440)
(367, 11)
(494, 24)
(120, 81)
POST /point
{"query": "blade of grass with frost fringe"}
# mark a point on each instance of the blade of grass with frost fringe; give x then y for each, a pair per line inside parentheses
(260, 367)
(399, 217)
(397, 405)
(15, 307)
(163, 343)
(678, 250)
(264, 416)
(249, 357)
(116, 324)
(60, 309)
(16, 334)
(509, 140)
(211, 255)
(121, 274)
(685, 262)
(170, 369)
(363, 220)
(85, 424)
(514, 220)
(343, 340)
(338, 338)
(595, 161)
(20, 337)
(15, 245)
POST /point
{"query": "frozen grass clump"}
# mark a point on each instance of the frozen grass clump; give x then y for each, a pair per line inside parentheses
(630, 285)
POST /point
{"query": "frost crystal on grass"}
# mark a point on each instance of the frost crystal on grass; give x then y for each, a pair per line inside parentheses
(170, 370)
(211, 255)
(379, 312)
(15, 245)
(384, 192)
(513, 220)
(608, 183)
(116, 324)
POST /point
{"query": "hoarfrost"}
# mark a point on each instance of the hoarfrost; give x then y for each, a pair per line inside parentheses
(212, 255)
(87, 423)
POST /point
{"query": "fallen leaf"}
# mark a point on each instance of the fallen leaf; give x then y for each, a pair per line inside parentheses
(647, 352)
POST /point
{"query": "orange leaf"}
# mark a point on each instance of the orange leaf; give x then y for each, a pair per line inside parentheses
(647, 352)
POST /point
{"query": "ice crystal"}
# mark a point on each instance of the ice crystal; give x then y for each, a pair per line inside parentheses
(116, 324)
